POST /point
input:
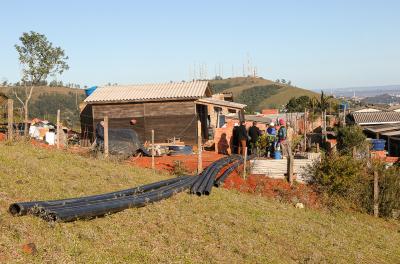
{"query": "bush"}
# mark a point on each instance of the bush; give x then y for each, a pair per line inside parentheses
(349, 137)
(345, 182)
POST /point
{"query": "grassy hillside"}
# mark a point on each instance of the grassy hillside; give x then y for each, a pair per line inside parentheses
(42, 90)
(225, 227)
(279, 93)
(47, 100)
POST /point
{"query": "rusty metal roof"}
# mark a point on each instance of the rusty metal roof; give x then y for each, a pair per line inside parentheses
(150, 92)
(369, 118)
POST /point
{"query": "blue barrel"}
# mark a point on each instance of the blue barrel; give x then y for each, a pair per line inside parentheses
(277, 155)
(378, 144)
(89, 91)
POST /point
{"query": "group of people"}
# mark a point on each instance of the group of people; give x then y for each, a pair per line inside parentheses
(278, 138)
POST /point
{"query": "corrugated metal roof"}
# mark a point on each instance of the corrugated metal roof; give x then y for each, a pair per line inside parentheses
(367, 118)
(149, 92)
(219, 102)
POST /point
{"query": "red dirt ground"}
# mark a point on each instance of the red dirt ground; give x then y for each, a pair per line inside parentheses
(166, 163)
(2, 136)
(254, 184)
(273, 188)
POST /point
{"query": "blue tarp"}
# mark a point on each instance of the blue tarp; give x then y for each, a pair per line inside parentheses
(89, 91)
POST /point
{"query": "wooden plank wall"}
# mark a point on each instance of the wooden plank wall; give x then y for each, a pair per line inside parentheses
(168, 119)
(86, 118)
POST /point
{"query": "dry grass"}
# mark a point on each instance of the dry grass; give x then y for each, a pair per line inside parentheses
(226, 227)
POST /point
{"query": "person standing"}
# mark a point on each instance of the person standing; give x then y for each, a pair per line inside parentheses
(100, 135)
(254, 134)
(243, 137)
(235, 139)
(271, 139)
(282, 135)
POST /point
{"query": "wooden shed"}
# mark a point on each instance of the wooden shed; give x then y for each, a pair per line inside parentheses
(171, 109)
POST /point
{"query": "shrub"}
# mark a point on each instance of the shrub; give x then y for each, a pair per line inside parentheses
(345, 182)
(349, 137)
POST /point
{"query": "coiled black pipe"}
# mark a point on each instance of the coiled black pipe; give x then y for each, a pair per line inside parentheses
(201, 177)
(229, 170)
(210, 183)
(112, 206)
(24, 207)
(201, 182)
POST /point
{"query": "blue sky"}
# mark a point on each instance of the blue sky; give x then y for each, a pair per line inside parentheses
(315, 44)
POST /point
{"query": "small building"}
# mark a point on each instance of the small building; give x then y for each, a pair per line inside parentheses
(172, 110)
(380, 125)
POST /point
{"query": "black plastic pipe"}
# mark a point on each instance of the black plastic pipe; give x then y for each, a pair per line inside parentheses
(24, 207)
(113, 206)
(211, 180)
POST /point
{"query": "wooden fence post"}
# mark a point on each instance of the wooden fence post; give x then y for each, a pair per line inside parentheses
(58, 128)
(290, 164)
(199, 149)
(10, 108)
(106, 150)
(305, 130)
(244, 162)
(152, 149)
(376, 194)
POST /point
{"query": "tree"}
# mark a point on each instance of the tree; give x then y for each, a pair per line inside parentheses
(39, 59)
(298, 104)
(324, 101)
(349, 137)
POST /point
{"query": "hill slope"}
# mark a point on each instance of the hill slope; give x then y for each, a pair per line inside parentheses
(259, 93)
(226, 225)
(46, 100)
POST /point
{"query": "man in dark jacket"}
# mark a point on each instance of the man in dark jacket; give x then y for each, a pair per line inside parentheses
(100, 135)
(243, 137)
(254, 134)
(235, 139)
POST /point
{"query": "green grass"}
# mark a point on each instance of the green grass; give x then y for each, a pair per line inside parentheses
(226, 227)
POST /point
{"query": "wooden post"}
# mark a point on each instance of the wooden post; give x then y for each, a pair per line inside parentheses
(152, 149)
(344, 115)
(10, 108)
(58, 128)
(199, 149)
(290, 162)
(354, 152)
(376, 194)
(305, 130)
(244, 162)
(106, 150)
(317, 147)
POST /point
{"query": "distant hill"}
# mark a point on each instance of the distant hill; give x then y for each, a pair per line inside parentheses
(382, 99)
(259, 93)
(47, 100)
(365, 91)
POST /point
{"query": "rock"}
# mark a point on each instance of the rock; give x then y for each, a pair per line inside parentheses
(300, 205)
(29, 249)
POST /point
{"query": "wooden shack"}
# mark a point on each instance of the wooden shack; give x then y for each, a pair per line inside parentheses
(171, 109)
